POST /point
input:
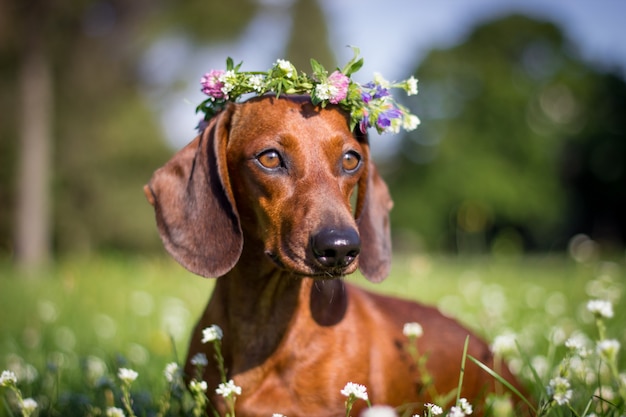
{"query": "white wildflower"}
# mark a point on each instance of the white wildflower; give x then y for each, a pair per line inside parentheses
(197, 386)
(380, 80)
(28, 406)
(229, 81)
(325, 91)
(212, 333)
(7, 378)
(356, 390)
(465, 406)
(394, 127)
(578, 343)
(199, 359)
(413, 329)
(379, 411)
(504, 344)
(434, 409)
(608, 348)
(286, 67)
(600, 308)
(257, 82)
(114, 412)
(410, 122)
(411, 86)
(127, 375)
(456, 412)
(559, 390)
(171, 369)
(226, 389)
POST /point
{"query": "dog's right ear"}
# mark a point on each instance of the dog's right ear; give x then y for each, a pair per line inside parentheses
(195, 210)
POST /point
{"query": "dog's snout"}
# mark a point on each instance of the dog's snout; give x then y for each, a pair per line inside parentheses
(336, 248)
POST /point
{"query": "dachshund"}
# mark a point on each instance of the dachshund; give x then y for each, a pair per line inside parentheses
(280, 200)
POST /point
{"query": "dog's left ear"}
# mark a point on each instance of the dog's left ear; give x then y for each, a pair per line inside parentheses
(194, 206)
(372, 215)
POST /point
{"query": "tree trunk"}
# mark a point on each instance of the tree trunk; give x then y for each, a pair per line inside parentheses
(32, 234)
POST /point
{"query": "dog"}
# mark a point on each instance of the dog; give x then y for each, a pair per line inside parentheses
(280, 200)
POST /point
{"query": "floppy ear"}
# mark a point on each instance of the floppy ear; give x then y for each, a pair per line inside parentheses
(373, 206)
(195, 212)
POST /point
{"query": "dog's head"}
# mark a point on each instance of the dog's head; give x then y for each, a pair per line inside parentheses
(278, 175)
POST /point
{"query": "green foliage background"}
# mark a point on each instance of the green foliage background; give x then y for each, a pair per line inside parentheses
(498, 161)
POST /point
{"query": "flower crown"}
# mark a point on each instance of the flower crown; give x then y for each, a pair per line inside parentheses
(369, 105)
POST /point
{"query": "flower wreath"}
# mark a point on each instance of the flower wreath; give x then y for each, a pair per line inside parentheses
(369, 105)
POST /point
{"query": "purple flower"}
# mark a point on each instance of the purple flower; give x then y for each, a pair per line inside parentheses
(366, 96)
(364, 124)
(212, 85)
(385, 117)
(373, 91)
(340, 82)
(381, 92)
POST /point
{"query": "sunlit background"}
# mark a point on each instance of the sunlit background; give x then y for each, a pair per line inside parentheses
(510, 198)
(521, 147)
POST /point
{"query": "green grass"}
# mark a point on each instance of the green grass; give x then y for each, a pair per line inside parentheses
(138, 313)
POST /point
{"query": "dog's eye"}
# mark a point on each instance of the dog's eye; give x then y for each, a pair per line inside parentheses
(351, 161)
(270, 159)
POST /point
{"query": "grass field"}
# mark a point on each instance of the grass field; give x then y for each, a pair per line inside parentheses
(64, 332)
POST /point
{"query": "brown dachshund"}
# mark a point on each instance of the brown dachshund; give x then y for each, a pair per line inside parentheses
(262, 200)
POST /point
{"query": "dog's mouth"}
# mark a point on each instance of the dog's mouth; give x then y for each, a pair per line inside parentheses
(311, 270)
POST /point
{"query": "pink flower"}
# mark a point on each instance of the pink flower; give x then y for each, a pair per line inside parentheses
(340, 82)
(212, 85)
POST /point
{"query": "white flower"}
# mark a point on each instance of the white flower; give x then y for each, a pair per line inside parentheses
(197, 387)
(465, 406)
(286, 67)
(435, 410)
(212, 333)
(600, 308)
(456, 412)
(229, 81)
(395, 126)
(608, 349)
(559, 390)
(379, 411)
(7, 378)
(504, 344)
(278, 415)
(127, 375)
(325, 91)
(115, 412)
(356, 390)
(228, 388)
(410, 122)
(411, 86)
(257, 82)
(578, 343)
(170, 371)
(28, 406)
(199, 359)
(412, 329)
(380, 80)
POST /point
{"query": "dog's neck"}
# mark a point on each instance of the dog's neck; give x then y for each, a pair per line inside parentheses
(256, 303)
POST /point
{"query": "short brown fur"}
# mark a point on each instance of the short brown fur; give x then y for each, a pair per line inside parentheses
(294, 332)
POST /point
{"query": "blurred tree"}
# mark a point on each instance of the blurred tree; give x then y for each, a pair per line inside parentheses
(309, 37)
(483, 170)
(32, 236)
(96, 140)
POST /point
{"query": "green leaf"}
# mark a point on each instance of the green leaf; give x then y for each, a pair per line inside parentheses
(318, 70)
(354, 64)
(503, 382)
(229, 64)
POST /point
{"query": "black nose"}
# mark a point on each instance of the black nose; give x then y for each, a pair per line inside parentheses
(336, 247)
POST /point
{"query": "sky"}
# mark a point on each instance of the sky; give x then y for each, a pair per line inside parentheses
(393, 37)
